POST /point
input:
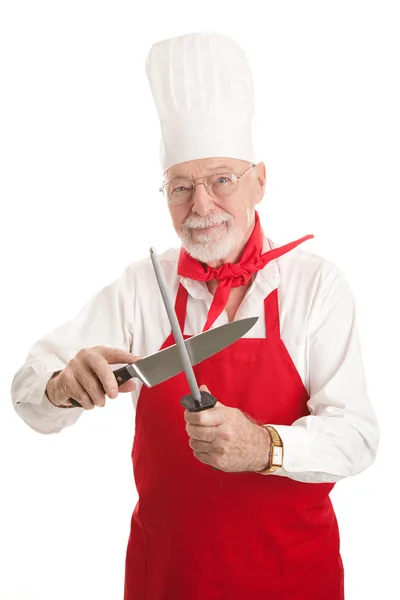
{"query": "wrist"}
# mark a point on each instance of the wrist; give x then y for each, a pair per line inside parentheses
(261, 460)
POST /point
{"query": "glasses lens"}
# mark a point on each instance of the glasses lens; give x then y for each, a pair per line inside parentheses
(179, 191)
(222, 185)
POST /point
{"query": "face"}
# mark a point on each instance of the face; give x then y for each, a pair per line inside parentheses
(217, 228)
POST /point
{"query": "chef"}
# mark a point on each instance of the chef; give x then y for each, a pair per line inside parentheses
(233, 501)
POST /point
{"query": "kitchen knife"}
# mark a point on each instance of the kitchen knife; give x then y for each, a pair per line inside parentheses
(166, 363)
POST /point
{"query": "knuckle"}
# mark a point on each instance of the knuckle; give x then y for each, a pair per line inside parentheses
(97, 359)
(81, 352)
(72, 364)
(220, 450)
(223, 451)
(226, 433)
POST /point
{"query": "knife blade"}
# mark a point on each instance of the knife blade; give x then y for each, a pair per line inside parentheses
(166, 363)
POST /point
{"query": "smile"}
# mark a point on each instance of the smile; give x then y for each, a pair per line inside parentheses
(207, 229)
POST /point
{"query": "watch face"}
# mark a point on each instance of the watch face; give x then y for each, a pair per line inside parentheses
(277, 455)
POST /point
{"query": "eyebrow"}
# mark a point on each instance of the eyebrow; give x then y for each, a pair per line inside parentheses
(210, 170)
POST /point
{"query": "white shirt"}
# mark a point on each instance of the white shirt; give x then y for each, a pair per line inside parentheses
(318, 327)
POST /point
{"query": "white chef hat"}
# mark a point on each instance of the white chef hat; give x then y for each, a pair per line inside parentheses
(202, 86)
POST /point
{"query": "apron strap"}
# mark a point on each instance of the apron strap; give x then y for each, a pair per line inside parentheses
(271, 311)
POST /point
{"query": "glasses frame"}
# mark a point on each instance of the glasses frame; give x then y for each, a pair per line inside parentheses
(238, 177)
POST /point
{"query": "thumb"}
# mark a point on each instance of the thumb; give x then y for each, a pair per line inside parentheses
(204, 388)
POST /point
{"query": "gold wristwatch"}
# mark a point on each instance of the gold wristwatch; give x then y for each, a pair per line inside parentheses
(276, 451)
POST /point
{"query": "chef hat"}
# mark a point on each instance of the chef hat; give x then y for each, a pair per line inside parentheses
(202, 86)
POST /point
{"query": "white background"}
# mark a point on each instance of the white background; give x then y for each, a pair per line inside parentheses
(79, 184)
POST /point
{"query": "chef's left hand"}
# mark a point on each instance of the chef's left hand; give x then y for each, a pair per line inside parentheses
(225, 438)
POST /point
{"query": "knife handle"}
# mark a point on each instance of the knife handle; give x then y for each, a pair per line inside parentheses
(122, 375)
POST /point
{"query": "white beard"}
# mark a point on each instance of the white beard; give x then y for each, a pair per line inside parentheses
(211, 246)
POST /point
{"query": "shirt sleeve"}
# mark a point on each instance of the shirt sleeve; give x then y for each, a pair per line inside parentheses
(340, 436)
(106, 320)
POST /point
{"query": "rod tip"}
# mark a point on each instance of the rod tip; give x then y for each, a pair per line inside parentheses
(152, 250)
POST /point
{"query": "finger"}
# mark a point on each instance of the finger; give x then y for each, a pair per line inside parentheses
(91, 384)
(105, 376)
(206, 418)
(109, 382)
(200, 446)
(73, 389)
(203, 457)
(197, 432)
(115, 355)
(134, 358)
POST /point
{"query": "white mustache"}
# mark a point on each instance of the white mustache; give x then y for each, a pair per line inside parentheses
(203, 223)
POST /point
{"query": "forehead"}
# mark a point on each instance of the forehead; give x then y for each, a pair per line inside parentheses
(204, 166)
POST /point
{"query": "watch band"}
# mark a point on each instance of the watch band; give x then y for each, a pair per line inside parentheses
(276, 451)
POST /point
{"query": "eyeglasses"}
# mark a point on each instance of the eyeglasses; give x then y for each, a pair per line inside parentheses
(219, 185)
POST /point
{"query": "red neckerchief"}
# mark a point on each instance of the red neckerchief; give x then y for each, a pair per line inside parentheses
(229, 275)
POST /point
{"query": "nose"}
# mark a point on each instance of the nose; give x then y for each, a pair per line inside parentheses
(202, 202)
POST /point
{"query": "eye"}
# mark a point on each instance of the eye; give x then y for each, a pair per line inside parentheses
(222, 180)
(179, 187)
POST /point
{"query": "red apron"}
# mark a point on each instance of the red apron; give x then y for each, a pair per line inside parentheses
(203, 534)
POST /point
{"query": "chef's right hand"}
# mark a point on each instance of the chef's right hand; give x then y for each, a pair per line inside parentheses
(88, 377)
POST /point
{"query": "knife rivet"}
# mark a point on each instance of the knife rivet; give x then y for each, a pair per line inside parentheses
(119, 378)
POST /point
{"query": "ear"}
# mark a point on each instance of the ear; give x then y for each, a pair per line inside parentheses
(261, 172)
